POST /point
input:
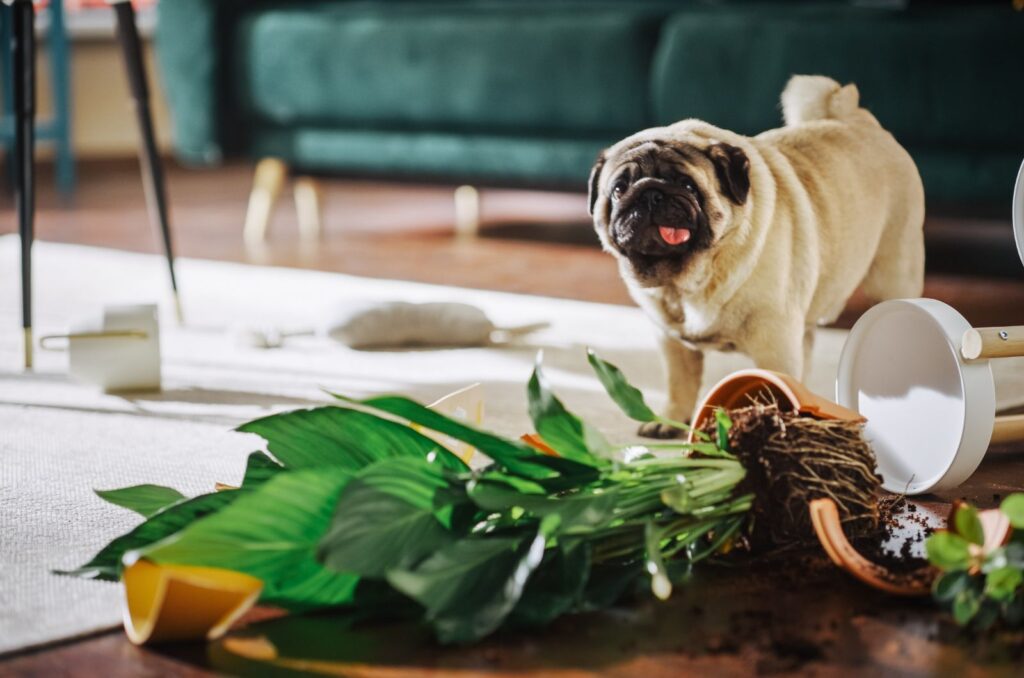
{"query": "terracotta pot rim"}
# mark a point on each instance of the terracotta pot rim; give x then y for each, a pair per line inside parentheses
(799, 397)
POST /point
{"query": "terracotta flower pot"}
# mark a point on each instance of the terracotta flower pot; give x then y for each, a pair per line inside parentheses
(741, 388)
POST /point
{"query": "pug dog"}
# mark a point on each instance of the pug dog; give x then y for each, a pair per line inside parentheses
(730, 242)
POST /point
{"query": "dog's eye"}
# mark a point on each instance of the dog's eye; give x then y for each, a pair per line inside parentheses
(619, 188)
(688, 184)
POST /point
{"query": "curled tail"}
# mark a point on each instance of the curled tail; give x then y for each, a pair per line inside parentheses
(815, 97)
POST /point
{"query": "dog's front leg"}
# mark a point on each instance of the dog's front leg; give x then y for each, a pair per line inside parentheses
(779, 344)
(684, 367)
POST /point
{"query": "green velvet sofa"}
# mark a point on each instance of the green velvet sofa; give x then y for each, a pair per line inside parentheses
(526, 92)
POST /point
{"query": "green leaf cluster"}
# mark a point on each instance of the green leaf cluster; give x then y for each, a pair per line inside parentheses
(981, 587)
(353, 508)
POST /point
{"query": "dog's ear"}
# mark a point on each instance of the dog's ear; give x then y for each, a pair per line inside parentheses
(595, 176)
(733, 170)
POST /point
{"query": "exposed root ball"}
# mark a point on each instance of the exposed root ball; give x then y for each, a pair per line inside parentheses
(791, 460)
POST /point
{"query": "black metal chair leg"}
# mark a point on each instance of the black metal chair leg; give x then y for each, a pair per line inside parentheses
(149, 158)
(23, 53)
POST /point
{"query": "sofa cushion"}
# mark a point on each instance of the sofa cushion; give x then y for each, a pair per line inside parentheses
(945, 78)
(446, 67)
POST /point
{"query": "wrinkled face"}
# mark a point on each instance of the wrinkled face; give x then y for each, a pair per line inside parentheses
(658, 201)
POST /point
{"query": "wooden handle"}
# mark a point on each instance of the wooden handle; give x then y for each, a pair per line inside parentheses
(1008, 429)
(993, 342)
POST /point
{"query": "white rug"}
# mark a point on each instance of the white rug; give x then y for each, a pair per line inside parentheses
(59, 440)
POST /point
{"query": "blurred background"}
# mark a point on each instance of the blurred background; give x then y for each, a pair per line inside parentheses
(450, 141)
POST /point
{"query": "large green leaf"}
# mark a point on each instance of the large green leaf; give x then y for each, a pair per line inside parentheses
(469, 587)
(556, 587)
(259, 469)
(343, 438)
(390, 516)
(106, 564)
(517, 457)
(571, 437)
(629, 398)
(143, 499)
(168, 519)
(271, 533)
(513, 482)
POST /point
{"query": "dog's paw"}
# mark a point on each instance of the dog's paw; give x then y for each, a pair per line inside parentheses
(655, 429)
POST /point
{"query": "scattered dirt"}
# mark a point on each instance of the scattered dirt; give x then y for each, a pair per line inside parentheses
(898, 520)
(791, 460)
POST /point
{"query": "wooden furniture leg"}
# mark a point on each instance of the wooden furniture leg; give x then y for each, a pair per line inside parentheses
(1008, 428)
(149, 157)
(467, 212)
(307, 205)
(23, 59)
(984, 343)
(266, 187)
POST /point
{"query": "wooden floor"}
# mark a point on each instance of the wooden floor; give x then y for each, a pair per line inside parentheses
(380, 230)
(405, 232)
(765, 620)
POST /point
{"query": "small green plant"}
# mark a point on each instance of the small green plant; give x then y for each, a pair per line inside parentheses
(981, 586)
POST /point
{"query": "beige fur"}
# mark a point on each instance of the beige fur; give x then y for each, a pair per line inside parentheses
(834, 203)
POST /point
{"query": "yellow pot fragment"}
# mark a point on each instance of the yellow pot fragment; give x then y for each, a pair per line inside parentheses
(183, 602)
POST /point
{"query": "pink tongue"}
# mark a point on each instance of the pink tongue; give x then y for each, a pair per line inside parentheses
(674, 236)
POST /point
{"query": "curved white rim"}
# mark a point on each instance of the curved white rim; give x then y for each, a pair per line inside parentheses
(1018, 212)
(976, 386)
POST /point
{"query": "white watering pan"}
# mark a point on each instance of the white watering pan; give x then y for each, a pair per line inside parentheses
(919, 373)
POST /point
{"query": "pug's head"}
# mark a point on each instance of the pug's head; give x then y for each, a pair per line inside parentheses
(662, 198)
